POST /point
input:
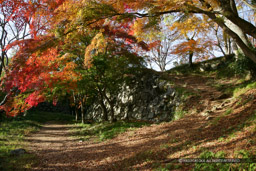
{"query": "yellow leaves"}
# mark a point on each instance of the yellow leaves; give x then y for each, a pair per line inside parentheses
(191, 24)
(64, 58)
(138, 29)
(143, 31)
(214, 3)
(70, 66)
(98, 45)
(120, 6)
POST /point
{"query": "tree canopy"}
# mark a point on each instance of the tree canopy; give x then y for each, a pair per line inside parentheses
(84, 46)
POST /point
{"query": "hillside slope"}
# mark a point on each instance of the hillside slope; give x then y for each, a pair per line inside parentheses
(217, 119)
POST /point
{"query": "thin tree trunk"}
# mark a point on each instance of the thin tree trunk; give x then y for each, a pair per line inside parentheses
(112, 112)
(104, 110)
(230, 42)
(4, 100)
(190, 59)
(234, 26)
(76, 111)
(102, 104)
(246, 49)
(235, 49)
(82, 112)
(76, 107)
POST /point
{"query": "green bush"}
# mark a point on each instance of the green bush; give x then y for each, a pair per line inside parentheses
(243, 154)
(243, 65)
(212, 166)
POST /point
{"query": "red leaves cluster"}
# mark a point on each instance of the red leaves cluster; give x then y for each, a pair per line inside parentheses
(37, 68)
(154, 44)
(35, 74)
(123, 31)
(199, 47)
(35, 98)
(187, 46)
(29, 12)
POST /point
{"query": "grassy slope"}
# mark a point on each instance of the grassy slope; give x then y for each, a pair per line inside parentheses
(233, 123)
(13, 131)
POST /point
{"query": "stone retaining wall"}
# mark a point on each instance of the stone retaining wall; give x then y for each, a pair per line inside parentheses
(146, 98)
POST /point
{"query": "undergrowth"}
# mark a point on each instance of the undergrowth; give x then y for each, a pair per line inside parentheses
(244, 160)
(245, 87)
(178, 114)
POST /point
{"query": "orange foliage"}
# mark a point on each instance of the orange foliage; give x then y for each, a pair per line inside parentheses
(35, 77)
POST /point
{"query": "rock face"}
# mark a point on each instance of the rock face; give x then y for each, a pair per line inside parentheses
(211, 65)
(146, 98)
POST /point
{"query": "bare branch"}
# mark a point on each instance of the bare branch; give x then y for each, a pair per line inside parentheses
(249, 5)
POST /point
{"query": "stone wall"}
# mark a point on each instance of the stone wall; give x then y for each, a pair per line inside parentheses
(146, 98)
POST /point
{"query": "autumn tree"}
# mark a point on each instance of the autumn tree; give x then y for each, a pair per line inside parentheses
(13, 26)
(46, 65)
(106, 71)
(38, 78)
(160, 53)
(22, 21)
(223, 13)
(161, 43)
(54, 53)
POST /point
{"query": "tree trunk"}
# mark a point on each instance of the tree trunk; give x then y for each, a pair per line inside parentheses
(237, 30)
(75, 106)
(229, 12)
(245, 48)
(190, 61)
(102, 104)
(227, 45)
(76, 111)
(4, 100)
(235, 49)
(112, 112)
(104, 110)
(234, 26)
(82, 113)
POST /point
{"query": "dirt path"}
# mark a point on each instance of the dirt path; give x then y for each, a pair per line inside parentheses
(50, 145)
(57, 151)
(144, 148)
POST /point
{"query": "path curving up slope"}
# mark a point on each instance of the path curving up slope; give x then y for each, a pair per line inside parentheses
(152, 146)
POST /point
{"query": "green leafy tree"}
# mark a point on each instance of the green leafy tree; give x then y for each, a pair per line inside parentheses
(105, 77)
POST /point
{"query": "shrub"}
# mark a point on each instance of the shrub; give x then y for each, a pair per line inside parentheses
(243, 65)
